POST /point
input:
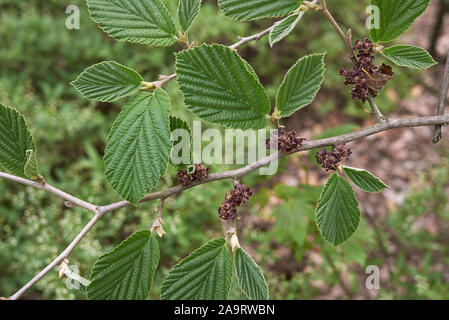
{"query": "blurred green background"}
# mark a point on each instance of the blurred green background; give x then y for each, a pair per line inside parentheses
(38, 59)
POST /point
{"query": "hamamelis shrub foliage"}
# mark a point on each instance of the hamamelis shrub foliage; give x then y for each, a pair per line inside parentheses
(221, 88)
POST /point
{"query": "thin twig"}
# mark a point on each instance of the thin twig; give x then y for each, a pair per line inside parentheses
(442, 103)
(157, 84)
(348, 42)
(47, 187)
(340, 32)
(59, 259)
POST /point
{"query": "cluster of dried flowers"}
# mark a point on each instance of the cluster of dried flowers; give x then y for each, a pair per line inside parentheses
(364, 75)
(240, 194)
(330, 160)
(194, 173)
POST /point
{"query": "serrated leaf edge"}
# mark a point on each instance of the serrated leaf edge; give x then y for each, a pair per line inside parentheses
(73, 83)
(182, 260)
(402, 65)
(193, 20)
(123, 40)
(260, 269)
(112, 251)
(258, 18)
(364, 170)
(31, 161)
(298, 18)
(323, 55)
(29, 131)
(409, 27)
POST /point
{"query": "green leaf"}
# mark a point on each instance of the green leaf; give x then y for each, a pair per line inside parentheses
(176, 123)
(17, 148)
(126, 272)
(337, 212)
(245, 10)
(187, 12)
(396, 16)
(409, 56)
(301, 84)
(249, 276)
(283, 28)
(139, 145)
(31, 169)
(365, 180)
(108, 81)
(205, 274)
(136, 21)
(219, 87)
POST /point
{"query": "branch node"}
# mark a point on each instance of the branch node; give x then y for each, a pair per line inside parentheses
(437, 135)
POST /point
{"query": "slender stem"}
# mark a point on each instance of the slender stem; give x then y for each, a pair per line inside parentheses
(47, 187)
(256, 36)
(442, 103)
(308, 145)
(379, 116)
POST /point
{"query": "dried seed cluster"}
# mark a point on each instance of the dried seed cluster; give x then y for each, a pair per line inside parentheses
(330, 160)
(228, 209)
(287, 142)
(194, 173)
(362, 71)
